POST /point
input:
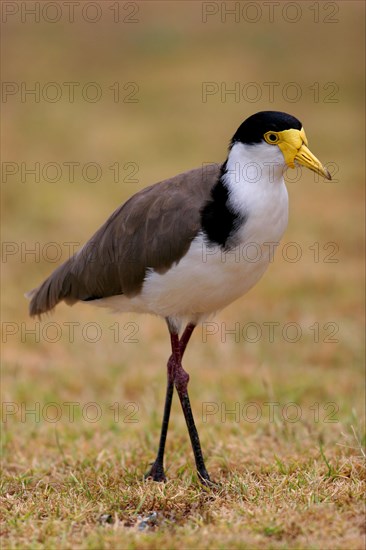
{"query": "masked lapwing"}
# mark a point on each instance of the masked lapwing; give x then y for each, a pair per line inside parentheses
(176, 249)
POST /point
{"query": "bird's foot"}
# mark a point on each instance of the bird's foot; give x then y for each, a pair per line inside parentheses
(206, 481)
(156, 472)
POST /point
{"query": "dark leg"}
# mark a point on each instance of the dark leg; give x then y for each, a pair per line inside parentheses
(156, 471)
(181, 382)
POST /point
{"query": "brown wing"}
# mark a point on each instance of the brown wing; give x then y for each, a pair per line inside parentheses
(153, 229)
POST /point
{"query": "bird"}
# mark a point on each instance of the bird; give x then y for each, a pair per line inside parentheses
(176, 249)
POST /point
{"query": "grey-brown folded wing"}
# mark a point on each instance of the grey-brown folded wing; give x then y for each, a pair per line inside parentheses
(152, 230)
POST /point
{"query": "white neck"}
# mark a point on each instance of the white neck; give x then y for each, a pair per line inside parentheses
(253, 173)
(257, 190)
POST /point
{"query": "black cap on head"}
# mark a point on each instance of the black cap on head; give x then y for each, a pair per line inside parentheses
(253, 128)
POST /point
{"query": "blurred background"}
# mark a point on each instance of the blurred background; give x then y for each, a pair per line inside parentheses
(130, 93)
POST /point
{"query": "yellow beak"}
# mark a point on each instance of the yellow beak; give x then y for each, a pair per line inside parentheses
(293, 144)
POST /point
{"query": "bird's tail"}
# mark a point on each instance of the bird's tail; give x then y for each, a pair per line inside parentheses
(57, 287)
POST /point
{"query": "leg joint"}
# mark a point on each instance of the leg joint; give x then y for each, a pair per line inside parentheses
(181, 380)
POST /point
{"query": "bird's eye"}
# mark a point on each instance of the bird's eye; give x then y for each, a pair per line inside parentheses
(271, 138)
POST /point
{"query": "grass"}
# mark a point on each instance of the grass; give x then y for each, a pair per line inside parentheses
(82, 409)
(277, 488)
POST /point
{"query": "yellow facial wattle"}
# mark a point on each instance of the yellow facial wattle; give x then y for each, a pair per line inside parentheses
(293, 145)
